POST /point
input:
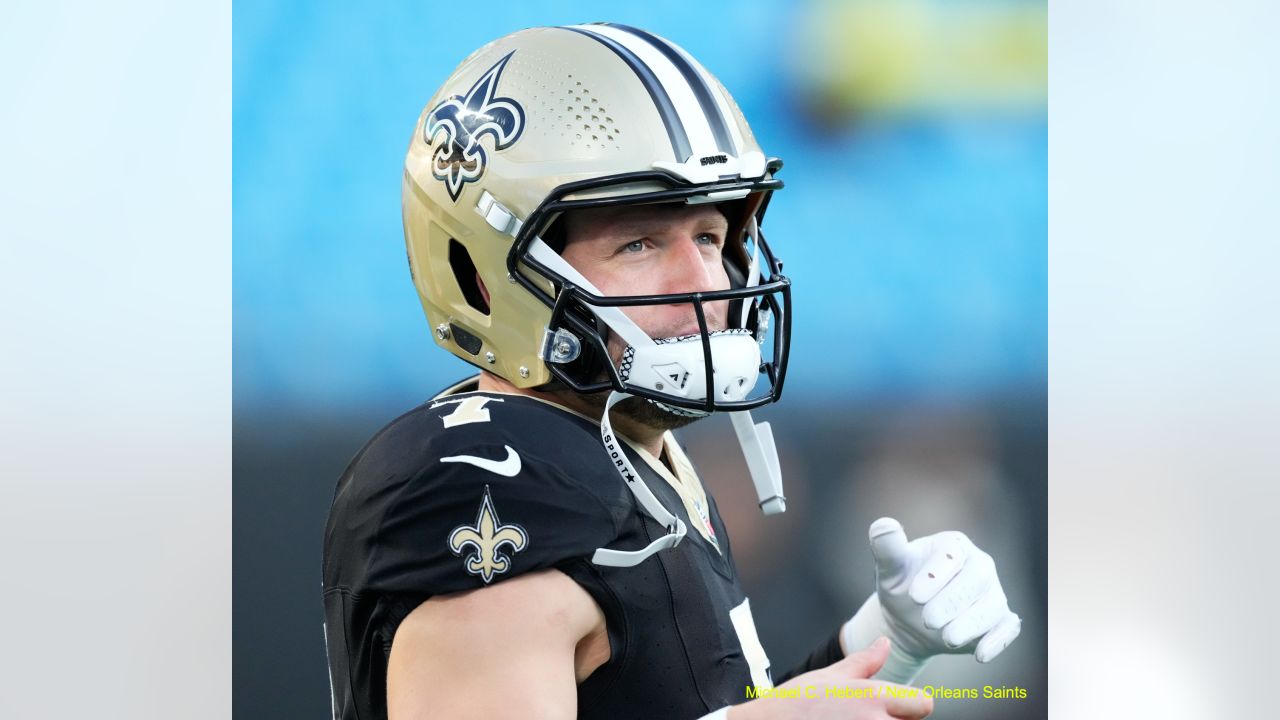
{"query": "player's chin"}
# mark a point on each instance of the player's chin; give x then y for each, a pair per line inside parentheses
(653, 415)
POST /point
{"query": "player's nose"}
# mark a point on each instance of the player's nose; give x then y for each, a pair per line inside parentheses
(687, 269)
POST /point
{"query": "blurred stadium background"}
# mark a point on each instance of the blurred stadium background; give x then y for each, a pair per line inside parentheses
(913, 225)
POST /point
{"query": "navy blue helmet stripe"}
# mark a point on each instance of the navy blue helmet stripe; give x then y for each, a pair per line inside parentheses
(661, 100)
(719, 128)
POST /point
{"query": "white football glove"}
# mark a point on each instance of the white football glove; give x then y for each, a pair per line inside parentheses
(934, 595)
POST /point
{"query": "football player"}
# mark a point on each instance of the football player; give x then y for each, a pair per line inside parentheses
(582, 210)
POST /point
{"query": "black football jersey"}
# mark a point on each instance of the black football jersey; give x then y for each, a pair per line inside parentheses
(475, 488)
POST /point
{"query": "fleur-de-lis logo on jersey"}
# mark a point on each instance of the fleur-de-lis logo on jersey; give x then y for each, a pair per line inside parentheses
(487, 536)
(456, 125)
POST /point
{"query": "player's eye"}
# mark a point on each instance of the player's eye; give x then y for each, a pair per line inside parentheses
(707, 239)
(634, 246)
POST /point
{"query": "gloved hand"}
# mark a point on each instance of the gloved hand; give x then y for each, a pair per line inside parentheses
(934, 595)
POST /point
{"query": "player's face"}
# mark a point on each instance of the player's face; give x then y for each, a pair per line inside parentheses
(653, 250)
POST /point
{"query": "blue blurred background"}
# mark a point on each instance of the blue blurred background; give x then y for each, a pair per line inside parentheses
(913, 226)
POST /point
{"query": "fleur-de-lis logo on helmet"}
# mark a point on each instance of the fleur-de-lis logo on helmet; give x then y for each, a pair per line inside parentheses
(456, 125)
(486, 536)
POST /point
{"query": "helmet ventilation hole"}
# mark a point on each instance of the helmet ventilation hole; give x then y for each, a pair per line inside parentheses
(464, 272)
(581, 104)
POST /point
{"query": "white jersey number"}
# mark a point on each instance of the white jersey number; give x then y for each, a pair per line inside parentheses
(745, 626)
(469, 410)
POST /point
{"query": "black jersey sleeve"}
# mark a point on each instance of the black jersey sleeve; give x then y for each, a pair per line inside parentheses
(827, 654)
(457, 509)
(458, 526)
(448, 498)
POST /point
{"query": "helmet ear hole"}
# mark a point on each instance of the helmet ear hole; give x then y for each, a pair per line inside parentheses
(464, 272)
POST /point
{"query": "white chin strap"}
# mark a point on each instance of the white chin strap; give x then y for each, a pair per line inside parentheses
(756, 440)
(676, 366)
(676, 529)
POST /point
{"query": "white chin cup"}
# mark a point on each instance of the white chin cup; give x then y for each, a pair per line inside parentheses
(677, 366)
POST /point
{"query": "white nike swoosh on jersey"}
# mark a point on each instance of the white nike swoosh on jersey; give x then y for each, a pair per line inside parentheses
(509, 467)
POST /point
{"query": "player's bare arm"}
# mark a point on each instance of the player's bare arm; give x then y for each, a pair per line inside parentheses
(517, 649)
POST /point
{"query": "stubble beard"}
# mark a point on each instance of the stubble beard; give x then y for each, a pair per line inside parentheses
(641, 411)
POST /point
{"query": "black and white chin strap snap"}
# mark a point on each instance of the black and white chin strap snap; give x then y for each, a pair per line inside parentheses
(676, 529)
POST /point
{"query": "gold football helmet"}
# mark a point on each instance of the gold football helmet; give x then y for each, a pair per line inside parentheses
(546, 120)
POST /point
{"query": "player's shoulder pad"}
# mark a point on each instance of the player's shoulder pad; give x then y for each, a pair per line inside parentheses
(477, 488)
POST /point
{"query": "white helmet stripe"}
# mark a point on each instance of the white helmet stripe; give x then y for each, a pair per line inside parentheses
(728, 140)
(713, 88)
(661, 100)
(702, 139)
